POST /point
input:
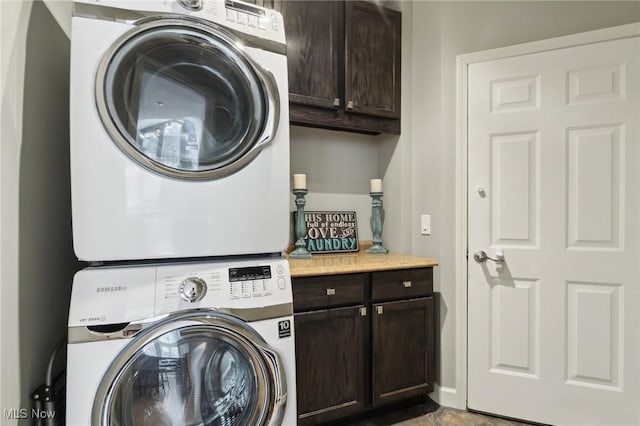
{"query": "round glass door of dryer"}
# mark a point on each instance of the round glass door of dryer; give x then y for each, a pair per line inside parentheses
(201, 373)
(184, 100)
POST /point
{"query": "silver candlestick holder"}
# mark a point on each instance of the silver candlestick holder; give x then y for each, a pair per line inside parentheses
(376, 224)
(300, 251)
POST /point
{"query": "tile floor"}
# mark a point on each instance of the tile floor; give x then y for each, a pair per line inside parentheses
(427, 413)
(445, 416)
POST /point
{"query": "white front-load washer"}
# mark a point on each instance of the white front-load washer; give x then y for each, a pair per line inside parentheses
(179, 129)
(182, 344)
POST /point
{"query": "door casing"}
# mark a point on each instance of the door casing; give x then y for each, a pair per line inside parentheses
(459, 399)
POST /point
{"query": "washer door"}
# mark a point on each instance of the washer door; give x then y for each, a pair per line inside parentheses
(193, 369)
(183, 99)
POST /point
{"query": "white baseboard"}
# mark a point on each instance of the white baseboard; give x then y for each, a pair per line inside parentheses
(447, 397)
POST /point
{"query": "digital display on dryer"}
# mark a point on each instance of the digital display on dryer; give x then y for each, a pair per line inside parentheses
(250, 273)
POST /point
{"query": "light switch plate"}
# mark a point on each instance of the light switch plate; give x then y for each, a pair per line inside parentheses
(425, 224)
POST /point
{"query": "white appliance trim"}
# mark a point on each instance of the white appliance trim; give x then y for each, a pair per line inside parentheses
(462, 64)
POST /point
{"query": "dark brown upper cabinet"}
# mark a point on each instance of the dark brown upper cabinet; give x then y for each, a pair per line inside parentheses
(315, 53)
(344, 64)
(372, 60)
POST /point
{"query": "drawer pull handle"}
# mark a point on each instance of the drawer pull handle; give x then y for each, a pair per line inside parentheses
(363, 312)
(331, 291)
(406, 284)
(336, 102)
(350, 105)
(379, 310)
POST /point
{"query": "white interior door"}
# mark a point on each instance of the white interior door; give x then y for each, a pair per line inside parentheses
(553, 182)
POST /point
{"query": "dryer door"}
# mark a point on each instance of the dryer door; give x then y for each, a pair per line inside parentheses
(199, 368)
(183, 99)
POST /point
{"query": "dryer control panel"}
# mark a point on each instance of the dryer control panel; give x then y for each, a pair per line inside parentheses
(234, 14)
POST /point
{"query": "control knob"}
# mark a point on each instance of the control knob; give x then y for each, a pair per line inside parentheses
(193, 289)
(191, 4)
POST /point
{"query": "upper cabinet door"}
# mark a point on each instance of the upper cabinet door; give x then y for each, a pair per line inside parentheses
(372, 69)
(314, 30)
(344, 64)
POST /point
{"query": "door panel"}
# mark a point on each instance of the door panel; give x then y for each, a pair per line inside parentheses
(515, 317)
(372, 65)
(594, 166)
(314, 51)
(553, 181)
(334, 340)
(513, 183)
(402, 349)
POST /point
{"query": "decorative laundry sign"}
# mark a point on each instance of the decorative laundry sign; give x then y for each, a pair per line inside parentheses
(331, 232)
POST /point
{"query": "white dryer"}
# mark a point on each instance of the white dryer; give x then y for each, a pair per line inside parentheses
(182, 344)
(179, 129)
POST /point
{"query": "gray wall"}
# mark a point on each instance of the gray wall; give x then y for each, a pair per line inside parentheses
(37, 259)
(339, 167)
(46, 258)
(419, 167)
(13, 29)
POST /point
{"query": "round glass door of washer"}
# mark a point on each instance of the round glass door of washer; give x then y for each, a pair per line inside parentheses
(193, 375)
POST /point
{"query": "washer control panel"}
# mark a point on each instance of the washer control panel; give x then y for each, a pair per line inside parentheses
(251, 16)
(107, 295)
(250, 281)
(237, 284)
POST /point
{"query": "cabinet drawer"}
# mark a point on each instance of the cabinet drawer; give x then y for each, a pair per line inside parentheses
(402, 283)
(328, 291)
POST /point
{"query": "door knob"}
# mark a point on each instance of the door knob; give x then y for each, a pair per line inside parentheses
(480, 256)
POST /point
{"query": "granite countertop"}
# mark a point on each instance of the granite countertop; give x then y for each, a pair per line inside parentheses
(348, 263)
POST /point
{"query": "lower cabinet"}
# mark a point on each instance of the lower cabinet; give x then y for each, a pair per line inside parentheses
(402, 347)
(330, 376)
(362, 341)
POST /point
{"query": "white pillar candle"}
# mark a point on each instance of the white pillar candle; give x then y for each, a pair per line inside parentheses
(300, 181)
(376, 185)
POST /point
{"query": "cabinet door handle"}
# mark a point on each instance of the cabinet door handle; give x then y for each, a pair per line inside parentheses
(350, 105)
(336, 102)
(363, 312)
(379, 310)
(331, 291)
(406, 284)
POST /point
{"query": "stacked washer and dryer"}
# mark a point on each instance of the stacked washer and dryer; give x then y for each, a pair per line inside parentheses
(180, 201)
